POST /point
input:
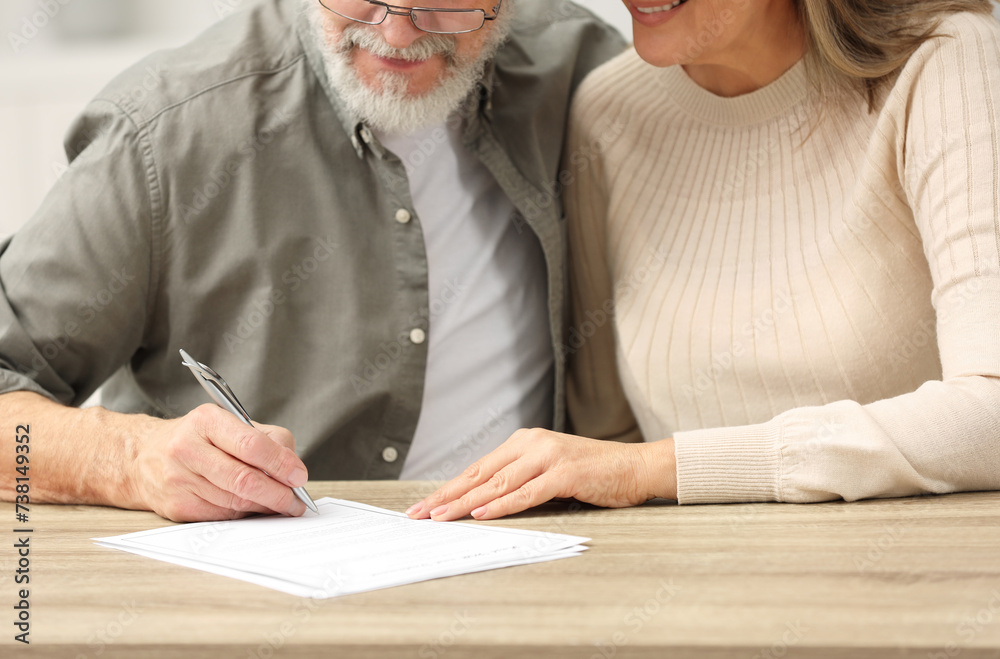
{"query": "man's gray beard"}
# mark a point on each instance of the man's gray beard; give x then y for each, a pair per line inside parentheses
(392, 109)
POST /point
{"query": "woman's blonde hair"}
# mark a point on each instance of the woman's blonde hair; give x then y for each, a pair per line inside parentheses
(863, 44)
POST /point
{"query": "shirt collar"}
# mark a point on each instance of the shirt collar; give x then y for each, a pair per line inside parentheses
(477, 106)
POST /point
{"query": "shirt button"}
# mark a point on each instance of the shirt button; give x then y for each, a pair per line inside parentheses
(403, 216)
(418, 336)
(390, 454)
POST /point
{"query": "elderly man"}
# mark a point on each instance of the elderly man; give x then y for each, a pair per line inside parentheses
(348, 208)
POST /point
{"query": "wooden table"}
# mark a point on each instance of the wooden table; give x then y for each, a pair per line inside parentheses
(915, 577)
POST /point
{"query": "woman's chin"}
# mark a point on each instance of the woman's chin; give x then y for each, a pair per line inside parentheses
(657, 52)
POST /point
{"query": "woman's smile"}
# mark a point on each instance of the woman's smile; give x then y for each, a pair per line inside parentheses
(653, 15)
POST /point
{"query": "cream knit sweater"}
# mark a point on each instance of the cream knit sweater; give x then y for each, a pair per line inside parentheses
(804, 295)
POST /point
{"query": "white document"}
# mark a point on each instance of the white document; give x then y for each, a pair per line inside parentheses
(346, 548)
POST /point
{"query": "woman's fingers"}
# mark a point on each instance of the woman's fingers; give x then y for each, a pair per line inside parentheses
(533, 493)
(475, 475)
(514, 476)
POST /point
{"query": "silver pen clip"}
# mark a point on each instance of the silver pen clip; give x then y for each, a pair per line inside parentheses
(217, 387)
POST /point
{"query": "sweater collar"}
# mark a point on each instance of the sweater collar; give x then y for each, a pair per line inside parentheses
(769, 102)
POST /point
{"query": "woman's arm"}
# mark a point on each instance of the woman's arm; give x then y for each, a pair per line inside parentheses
(942, 126)
(942, 437)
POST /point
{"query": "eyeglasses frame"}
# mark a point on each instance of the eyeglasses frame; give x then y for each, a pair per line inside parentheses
(395, 10)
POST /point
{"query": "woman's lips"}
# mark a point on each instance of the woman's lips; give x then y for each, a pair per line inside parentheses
(654, 18)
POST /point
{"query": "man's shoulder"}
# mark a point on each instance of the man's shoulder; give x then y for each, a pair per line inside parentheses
(548, 34)
(254, 41)
(621, 78)
(534, 16)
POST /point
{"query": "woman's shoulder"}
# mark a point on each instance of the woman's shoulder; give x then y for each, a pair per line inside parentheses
(618, 84)
(962, 54)
(967, 24)
(961, 37)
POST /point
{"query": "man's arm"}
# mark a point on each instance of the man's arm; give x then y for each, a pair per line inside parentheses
(207, 465)
(75, 290)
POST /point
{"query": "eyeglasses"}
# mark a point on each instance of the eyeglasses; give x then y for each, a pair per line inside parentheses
(435, 21)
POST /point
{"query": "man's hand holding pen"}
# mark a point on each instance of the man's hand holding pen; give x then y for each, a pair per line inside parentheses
(209, 465)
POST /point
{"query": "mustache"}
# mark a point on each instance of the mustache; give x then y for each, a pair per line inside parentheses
(368, 38)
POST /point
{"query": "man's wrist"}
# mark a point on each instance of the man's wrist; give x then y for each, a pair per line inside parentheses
(126, 433)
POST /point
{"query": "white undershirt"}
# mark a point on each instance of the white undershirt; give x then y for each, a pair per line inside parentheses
(489, 353)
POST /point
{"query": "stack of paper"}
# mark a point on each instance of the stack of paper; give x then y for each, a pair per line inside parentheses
(347, 548)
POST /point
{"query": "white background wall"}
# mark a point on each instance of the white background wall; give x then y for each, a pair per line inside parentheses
(45, 83)
(613, 11)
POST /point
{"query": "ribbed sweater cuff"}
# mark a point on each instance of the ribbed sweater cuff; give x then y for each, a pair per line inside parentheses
(726, 465)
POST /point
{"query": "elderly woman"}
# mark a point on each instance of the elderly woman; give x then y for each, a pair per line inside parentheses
(784, 223)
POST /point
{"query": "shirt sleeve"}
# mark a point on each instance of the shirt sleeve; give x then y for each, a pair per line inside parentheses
(945, 436)
(596, 402)
(75, 280)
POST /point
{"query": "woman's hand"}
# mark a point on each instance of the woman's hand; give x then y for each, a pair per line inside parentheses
(534, 466)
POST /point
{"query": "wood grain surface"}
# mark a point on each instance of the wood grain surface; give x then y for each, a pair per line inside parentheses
(916, 577)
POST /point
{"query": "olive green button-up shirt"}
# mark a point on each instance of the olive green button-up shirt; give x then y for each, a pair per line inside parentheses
(220, 199)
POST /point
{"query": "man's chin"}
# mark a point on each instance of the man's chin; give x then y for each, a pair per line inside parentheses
(401, 101)
(399, 87)
(389, 105)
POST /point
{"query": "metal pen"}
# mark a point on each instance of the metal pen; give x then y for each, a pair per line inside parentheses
(224, 397)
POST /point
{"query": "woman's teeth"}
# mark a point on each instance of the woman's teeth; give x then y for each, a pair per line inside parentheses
(657, 10)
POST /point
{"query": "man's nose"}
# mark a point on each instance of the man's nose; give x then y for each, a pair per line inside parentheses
(399, 31)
